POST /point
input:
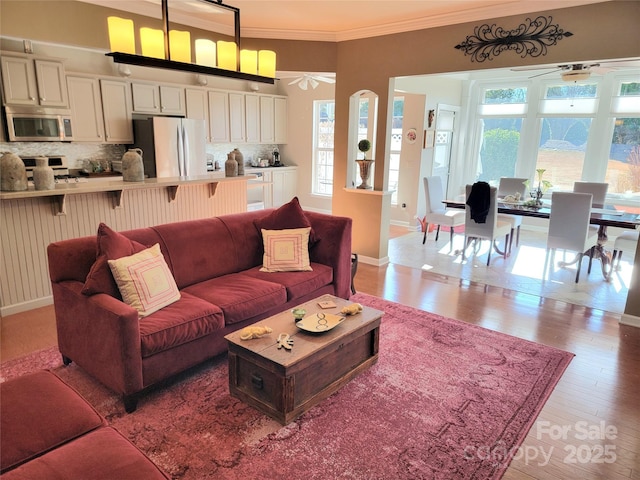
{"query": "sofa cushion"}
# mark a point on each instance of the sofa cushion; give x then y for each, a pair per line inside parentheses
(289, 215)
(145, 281)
(187, 319)
(40, 412)
(111, 245)
(298, 284)
(101, 455)
(286, 250)
(239, 296)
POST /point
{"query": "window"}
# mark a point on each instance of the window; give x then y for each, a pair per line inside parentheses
(501, 115)
(623, 165)
(323, 125)
(567, 113)
(395, 147)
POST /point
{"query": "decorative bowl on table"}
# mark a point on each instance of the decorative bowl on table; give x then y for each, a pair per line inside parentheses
(298, 313)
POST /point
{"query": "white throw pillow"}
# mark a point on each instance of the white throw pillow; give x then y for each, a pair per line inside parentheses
(145, 281)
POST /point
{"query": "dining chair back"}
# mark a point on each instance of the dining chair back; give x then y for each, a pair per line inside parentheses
(625, 242)
(569, 227)
(597, 189)
(512, 186)
(436, 212)
(490, 230)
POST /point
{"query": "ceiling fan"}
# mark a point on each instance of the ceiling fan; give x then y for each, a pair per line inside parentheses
(575, 72)
(310, 79)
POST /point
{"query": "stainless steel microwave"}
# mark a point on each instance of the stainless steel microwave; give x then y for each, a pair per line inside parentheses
(38, 124)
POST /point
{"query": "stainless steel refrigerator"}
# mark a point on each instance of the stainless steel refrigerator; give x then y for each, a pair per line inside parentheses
(171, 146)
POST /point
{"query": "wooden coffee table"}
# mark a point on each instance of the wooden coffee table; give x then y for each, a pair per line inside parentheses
(286, 383)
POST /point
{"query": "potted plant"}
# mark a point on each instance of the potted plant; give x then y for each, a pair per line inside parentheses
(364, 146)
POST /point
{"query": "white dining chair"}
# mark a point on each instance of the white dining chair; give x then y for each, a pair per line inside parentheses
(596, 189)
(490, 230)
(625, 242)
(569, 228)
(512, 186)
(437, 213)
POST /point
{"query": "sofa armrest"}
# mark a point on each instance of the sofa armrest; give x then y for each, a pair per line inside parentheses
(333, 248)
(101, 334)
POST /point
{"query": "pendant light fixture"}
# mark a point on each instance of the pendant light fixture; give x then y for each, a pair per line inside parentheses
(171, 49)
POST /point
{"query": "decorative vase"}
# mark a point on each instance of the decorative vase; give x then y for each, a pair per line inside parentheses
(132, 166)
(13, 174)
(231, 166)
(43, 175)
(365, 171)
(240, 160)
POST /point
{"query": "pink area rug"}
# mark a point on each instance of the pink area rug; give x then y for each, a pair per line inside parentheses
(442, 391)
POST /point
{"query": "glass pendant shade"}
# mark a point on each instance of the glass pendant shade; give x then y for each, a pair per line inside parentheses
(267, 63)
(152, 42)
(249, 61)
(205, 52)
(180, 46)
(121, 35)
(227, 55)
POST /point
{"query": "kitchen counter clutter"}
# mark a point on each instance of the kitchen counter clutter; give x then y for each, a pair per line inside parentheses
(118, 186)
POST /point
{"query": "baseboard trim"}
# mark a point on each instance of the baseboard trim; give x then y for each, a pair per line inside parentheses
(378, 262)
(26, 306)
(630, 320)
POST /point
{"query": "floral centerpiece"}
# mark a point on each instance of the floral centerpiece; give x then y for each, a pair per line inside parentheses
(539, 191)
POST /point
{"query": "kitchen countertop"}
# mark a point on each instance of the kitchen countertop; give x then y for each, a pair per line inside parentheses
(112, 184)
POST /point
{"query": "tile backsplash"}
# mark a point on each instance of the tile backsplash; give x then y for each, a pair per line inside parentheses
(77, 153)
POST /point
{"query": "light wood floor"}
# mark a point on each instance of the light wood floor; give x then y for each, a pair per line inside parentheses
(599, 392)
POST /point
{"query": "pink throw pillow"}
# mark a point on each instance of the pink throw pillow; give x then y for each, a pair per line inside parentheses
(111, 246)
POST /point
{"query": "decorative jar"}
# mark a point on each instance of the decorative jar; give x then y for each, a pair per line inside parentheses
(43, 175)
(231, 166)
(13, 174)
(132, 166)
(240, 160)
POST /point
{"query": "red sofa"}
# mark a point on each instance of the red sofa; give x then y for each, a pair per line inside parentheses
(49, 431)
(215, 263)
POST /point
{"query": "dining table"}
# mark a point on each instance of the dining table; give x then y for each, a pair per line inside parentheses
(602, 216)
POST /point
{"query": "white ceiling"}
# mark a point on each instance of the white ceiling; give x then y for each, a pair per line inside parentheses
(339, 20)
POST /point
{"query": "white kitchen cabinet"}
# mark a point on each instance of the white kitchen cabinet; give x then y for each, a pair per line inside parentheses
(29, 81)
(237, 128)
(252, 118)
(197, 105)
(267, 134)
(116, 111)
(280, 121)
(219, 116)
(284, 185)
(273, 187)
(86, 109)
(159, 99)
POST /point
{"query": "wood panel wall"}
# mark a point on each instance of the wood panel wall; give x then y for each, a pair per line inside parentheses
(28, 226)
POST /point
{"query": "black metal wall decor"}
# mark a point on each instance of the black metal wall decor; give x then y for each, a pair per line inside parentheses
(531, 38)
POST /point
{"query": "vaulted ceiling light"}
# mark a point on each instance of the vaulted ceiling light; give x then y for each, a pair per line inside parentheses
(171, 49)
(575, 75)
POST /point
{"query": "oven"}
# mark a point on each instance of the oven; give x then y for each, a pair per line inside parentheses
(59, 165)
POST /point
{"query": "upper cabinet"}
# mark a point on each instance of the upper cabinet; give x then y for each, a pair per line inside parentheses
(29, 81)
(101, 109)
(197, 105)
(219, 116)
(280, 121)
(86, 109)
(116, 111)
(237, 127)
(158, 99)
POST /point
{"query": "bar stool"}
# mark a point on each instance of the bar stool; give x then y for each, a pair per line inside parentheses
(625, 242)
